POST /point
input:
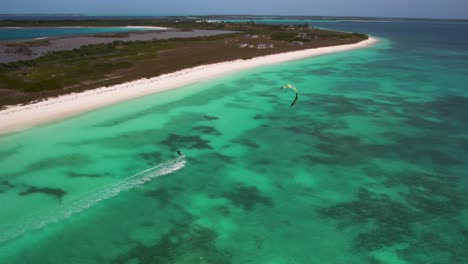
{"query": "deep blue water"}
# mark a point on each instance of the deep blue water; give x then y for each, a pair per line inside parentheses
(443, 34)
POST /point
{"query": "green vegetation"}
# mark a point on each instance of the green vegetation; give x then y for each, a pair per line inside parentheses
(19, 48)
(24, 47)
(208, 38)
(311, 34)
(30, 43)
(356, 35)
(360, 35)
(64, 68)
(98, 65)
(287, 36)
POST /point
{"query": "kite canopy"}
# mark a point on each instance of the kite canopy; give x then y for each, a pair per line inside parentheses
(290, 86)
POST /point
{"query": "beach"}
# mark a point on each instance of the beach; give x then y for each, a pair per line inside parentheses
(20, 117)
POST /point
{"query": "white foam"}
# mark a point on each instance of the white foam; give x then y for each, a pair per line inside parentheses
(88, 200)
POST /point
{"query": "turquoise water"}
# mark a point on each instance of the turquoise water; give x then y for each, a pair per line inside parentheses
(8, 34)
(369, 166)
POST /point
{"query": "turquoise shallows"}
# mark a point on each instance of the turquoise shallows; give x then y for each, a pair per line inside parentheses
(369, 166)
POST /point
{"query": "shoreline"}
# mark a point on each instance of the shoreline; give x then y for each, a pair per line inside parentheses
(20, 117)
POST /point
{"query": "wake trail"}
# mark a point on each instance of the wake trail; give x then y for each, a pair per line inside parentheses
(89, 199)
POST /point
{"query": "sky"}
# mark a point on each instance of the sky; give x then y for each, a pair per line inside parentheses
(367, 8)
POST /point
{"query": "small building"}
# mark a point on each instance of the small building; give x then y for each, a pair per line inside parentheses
(251, 46)
(302, 35)
(265, 46)
(261, 46)
(297, 43)
(243, 45)
(251, 36)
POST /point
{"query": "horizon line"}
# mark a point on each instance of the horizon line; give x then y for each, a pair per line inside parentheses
(207, 15)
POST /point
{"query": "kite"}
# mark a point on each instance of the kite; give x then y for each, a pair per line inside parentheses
(290, 86)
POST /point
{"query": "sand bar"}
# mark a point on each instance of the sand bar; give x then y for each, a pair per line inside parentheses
(20, 117)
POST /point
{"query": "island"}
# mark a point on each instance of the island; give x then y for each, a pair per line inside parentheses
(107, 68)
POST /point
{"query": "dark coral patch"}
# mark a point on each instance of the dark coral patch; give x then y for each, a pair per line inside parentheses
(453, 107)
(441, 248)
(174, 141)
(345, 150)
(351, 150)
(5, 185)
(261, 164)
(247, 197)
(337, 105)
(162, 195)
(126, 118)
(207, 130)
(87, 175)
(393, 219)
(298, 130)
(318, 129)
(347, 86)
(207, 117)
(55, 192)
(430, 193)
(447, 114)
(323, 71)
(266, 117)
(131, 140)
(146, 112)
(72, 160)
(151, 157)
(267, 95)
(423, 149)
(443, 158)
(248, 143)
(428, 197)
(222, 157)
(9, 152)
(435, 120)
(223, 210)
(184, 243)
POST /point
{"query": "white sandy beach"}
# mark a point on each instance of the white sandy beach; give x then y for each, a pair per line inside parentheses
(16, 118)
(147, 27)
